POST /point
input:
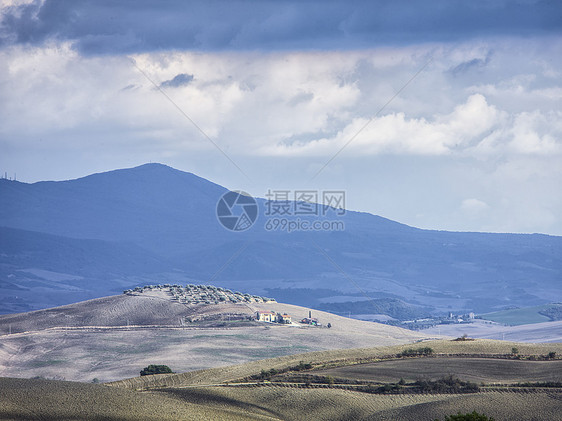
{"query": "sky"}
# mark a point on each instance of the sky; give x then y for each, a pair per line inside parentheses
(439, 114)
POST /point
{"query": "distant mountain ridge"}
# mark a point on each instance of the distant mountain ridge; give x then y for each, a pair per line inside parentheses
(66, 241)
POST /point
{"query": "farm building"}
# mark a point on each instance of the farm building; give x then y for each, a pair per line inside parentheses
(311, 321)
(266, 316)
(272, 317)
(284, 318)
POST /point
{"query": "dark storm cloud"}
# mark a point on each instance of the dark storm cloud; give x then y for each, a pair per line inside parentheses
(108, 27)
(476, 63)
(180, 80)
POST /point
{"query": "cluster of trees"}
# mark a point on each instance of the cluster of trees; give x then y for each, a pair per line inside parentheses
(539, 384)
(155, 369)
(554, 312)
(201, 294)
(471, 416)
(268, 374)
(411, 352)
(444, 385)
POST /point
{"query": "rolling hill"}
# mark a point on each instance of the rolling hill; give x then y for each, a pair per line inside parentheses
(347, 371)
(339, 385)
(115, 337)
(364, 383)
(73, 240)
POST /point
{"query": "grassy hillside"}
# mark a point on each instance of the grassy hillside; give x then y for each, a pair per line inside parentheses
(211, 394)
(333, 358)
(287, 397)
(55, 400)
(35, 399)
(333, 404)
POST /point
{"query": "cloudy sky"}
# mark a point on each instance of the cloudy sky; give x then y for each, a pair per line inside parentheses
(442, 114)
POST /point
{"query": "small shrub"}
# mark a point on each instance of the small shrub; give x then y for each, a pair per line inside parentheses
(410, 352)
(302, 366)
(463, 338)
(472, 416)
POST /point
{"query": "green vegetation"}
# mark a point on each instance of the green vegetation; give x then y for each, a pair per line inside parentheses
(200, 294)
(553, 313)
(410, 352)
(520, 316)
(446, 385)
(540, 384)
(472, 416)
(155, 369)
(268, 374)
(463, 338)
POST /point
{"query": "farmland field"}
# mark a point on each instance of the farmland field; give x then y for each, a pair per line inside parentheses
(332, 359)
(23, 399)
(222, 393)
(487, 370)
(519, 316)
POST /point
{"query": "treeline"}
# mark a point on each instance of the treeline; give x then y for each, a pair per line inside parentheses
(268, 374)
(418, 352)
(554, 312)
(444, 385)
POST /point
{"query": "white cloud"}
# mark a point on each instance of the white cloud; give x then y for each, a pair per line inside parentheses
(63, 115)
(395, 133)
(473, 206)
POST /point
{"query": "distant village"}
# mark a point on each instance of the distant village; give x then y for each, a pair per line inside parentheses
(274, 317)
(428, 322)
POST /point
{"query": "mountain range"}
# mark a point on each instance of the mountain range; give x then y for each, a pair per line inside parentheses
(65, 241)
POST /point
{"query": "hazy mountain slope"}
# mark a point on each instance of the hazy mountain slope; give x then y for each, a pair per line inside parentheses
(152, 205)
(170, 215)
(38, 269)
